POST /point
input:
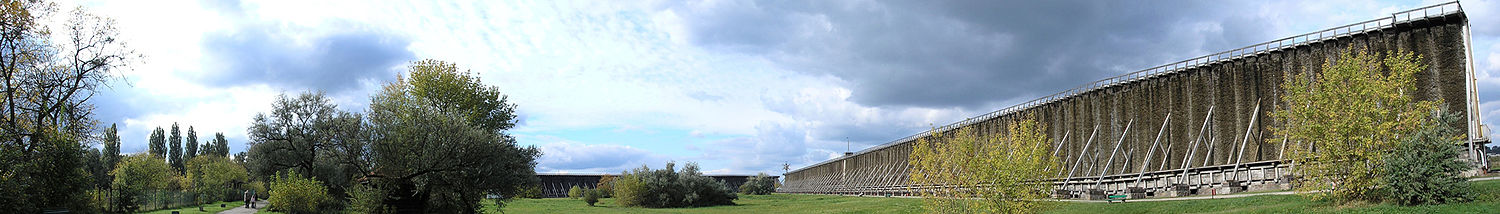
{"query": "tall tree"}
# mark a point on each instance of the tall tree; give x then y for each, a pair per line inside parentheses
(443, 126)
(174, 156)
(221, 146)
(158, 143)
(46, 84)
(192, 144)
(1340, 123)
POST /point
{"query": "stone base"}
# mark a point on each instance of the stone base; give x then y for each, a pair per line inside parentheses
(1062, 193)
(1136, 195)
(1222, 190)
(1269, 187)
(1173, 193)
(1093, 194)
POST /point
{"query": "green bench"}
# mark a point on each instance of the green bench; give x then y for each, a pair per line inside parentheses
(1119, 198)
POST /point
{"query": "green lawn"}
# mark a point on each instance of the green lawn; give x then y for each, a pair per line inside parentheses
(208, 208)
(1487, 195)
(777, 203)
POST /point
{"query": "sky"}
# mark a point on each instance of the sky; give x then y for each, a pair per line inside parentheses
(737, 86)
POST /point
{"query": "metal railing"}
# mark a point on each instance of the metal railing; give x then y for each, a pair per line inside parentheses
(1438, 10)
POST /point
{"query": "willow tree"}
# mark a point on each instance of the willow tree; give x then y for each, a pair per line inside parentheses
(965, 171)
(1340, 123)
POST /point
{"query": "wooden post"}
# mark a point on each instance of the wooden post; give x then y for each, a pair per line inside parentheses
(1194, 150)
(1163, 129)
(1112, 153)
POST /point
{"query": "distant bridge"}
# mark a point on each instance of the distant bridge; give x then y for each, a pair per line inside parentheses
(1106, 131)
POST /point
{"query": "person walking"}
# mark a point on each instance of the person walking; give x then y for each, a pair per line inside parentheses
(246, 195)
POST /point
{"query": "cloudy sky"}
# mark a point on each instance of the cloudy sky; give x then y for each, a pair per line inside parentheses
(737, 86)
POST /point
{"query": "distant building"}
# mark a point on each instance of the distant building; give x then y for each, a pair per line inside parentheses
(556, 185)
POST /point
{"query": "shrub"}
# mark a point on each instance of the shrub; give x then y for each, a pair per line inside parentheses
(591, 196)
(293, 193)
(530, 191)
(761, 184)
(575, 192)
(668, 188)
(1424, 168)
(628, 189)
(606, 186)
(367, 199)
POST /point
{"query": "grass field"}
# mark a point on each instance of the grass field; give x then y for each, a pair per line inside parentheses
(1487, 195)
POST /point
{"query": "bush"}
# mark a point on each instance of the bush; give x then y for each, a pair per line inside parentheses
(293, 193)
(668, 188)
(575, 192)
(591, 196)
(1424, 168)
(606, 186)
(761, 184)
(530, 191)
(367, 199)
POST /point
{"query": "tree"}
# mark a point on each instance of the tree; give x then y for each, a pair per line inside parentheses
(192, 144)
(309, 135)
(442, 126)
(111, 149)
(1340, 124)
(761, 184)
(135, 175)
(985, 174)
(46, 84)
(158, 143)
(221, 146)
(174, 143)
(606, 186)
(1425, 167)
(212, 175)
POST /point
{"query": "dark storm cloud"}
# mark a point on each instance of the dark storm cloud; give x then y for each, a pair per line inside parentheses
(271, 54)
(967, 54)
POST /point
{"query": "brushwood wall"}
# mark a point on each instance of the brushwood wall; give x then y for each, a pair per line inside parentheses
(1234, 89)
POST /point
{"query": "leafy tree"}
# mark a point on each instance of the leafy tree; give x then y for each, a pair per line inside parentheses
(174, 143)
(309, 135)
(221, 146)
(111, 148)
(761, 184)
(158, 143)
(46, 83)
(192, 144)
(137, 174)
(1425, 167)
(445, 127)
(1000, 173)
(462, 93)
(606, 186)
(293, 193)
(575, 192)
(1341, 123)
(211, 177)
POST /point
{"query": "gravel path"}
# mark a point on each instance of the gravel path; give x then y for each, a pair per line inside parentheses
(242, 210)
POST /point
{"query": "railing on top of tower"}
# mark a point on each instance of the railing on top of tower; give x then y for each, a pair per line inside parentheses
(1438, 10)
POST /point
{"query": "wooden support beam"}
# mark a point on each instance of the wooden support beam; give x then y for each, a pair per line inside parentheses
(1112, 153)
(1163, 129)
(1245, 141)
(1194, 150)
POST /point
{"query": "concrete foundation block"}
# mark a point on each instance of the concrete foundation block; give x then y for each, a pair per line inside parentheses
(1269, 187)
(1093, 194)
